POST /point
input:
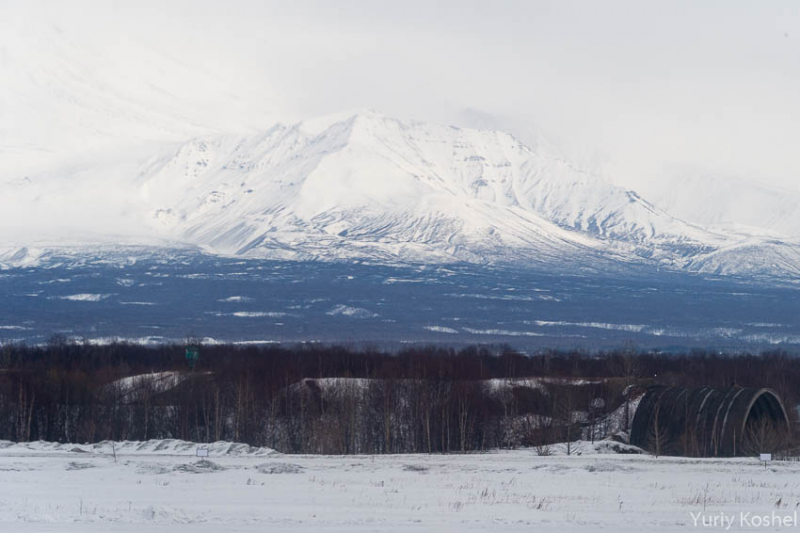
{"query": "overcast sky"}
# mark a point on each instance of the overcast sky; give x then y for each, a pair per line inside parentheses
(644, 88)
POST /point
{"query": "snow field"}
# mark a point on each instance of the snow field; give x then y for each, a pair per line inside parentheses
(162, 486)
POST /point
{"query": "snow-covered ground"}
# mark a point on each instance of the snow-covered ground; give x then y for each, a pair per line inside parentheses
(162, 486)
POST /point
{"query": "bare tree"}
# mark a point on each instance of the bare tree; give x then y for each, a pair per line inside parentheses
(658, 434)
(764, 435)
(568, 418)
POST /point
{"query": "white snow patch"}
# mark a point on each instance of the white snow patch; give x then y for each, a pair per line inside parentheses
(440, 329)
(257, 314)
(353, 312)
(392, 280)
(334, 385)
(507, 297)
(771, 338)
(506, 332)
(154, 382)
(635, 328)
(150, 340)
(501, 385)
(84, 297)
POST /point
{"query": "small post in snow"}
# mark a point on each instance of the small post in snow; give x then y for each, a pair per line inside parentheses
(766, 457)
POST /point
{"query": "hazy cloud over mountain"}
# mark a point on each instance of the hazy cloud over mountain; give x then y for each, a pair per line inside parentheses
(638, 86)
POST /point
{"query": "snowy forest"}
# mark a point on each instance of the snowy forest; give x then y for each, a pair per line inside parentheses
(338, 400)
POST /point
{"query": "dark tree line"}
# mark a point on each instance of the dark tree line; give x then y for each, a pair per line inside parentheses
(330, 399)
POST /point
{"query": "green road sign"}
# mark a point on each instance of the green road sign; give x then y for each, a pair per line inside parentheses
(192, 355)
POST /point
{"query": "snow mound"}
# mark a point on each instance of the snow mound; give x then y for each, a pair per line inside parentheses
(133, 388)
(203, 466)
(156, 447)
(598, 447)
(611, 446)
(280, 468)
(74, 465)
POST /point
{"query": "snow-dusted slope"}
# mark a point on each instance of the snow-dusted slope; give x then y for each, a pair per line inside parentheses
(365, 185)
(763, 224)
(752, 257)
(729, 203)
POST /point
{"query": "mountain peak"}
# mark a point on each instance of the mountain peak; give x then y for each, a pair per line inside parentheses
(318, 125)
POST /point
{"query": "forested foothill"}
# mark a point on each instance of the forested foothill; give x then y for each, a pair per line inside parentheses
(340, 400)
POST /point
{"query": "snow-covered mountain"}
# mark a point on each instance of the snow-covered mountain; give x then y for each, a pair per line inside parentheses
(365, 186)
(355, 186)
(369, 186)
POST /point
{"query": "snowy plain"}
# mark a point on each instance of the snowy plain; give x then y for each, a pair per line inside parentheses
(161, 486)
(156, 299)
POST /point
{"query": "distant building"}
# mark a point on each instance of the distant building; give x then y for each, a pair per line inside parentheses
(708, 422)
